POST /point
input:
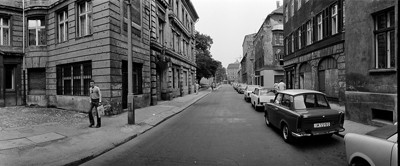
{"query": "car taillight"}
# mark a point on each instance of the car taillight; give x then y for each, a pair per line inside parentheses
(299, 120)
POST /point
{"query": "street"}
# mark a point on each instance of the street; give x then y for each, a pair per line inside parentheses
(221, 129)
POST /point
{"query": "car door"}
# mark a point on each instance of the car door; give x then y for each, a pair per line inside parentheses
(274, 109)
(285, 113)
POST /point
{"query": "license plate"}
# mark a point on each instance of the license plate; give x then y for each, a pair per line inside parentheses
(319, 125)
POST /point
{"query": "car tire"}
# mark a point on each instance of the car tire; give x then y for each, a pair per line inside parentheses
(359, 162)
(267, 122)
(286, 134)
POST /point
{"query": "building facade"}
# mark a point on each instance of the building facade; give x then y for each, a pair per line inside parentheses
(268, 50)
(247, 62)
(70, 42)
(232, 71)
(172, 44)
(314, 46)
(371, 80)
(11, 54)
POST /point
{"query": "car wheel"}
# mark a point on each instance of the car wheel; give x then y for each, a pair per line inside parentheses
(286, 134)
(267, 120)
(359, 162)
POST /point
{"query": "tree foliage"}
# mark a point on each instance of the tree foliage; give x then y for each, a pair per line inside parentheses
(206, 65)
(220, 75)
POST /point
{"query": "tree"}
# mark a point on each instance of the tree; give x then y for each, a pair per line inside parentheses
(206, 65)
(220, 75)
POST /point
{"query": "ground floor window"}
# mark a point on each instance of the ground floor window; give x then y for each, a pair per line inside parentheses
(9, 77)
(74, 79)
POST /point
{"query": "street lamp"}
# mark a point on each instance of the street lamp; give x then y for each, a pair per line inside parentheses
(131, 102)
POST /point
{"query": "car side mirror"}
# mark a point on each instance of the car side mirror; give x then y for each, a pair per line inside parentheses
(271, 101)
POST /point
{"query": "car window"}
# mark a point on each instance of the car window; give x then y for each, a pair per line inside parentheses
(321, 101)
(299, 102)
(309, 100)
(267, 93)
(286, 100)
(278, 98)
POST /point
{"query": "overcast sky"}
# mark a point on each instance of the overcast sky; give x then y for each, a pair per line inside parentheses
(228, 21)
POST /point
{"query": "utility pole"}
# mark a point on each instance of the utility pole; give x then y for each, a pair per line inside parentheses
(131, 102)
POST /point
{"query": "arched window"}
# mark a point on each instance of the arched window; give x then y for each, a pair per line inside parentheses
(327, 63)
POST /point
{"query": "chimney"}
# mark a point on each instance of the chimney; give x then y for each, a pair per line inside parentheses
(277, 4)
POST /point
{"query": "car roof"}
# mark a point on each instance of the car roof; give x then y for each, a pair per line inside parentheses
(384, 132)
(299, 91)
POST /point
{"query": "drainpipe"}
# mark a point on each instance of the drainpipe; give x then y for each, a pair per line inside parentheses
(23, 52)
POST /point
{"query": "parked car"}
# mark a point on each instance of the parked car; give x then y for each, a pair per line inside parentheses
(301, 113)
(261, 96)
(378, 147)
(241, 88)
(248, 90)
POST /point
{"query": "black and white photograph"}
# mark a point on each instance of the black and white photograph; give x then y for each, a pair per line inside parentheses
(199, 82)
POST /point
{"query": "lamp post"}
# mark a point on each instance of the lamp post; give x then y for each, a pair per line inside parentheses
(131, 102)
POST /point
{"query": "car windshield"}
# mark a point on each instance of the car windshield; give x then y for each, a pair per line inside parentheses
(266, 92)
(306, 101)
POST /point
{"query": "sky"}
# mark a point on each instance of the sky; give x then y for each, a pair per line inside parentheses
(228, 21)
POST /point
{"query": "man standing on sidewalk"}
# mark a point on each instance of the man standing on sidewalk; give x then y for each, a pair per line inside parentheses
(95, 100)
(197, 88)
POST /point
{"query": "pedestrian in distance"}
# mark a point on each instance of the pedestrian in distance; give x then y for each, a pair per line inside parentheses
(281, 85)
(95, 100)
(197, 88)
(276, 87)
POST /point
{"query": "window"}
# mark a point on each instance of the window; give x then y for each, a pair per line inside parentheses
(185, 81)
(4, 31)
(161, 32)
(85, 18)
(309, 32)
(292, 42)
(384, 40)
(287, 46)
(298, 4)
(62, 26)
(278, 98)
(299, 38)
(286, 13)
(334, 19)
(292, 8)
(136, 15)
(137, 78)
(319, 30)
(74, 79)
(278, 39)
(9, 72)
(37, 32)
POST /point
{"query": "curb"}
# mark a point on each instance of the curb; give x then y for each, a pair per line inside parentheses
(88, 158)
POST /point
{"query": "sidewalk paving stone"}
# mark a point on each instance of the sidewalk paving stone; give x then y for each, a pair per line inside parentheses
(46, 137)
(14, 143)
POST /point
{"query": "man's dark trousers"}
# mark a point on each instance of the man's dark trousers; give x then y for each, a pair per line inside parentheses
(95, 104)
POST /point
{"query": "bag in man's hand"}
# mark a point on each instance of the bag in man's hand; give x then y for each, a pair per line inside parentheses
(100, 110)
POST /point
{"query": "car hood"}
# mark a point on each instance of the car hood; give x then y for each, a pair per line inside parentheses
(318, 112)
(384, 132)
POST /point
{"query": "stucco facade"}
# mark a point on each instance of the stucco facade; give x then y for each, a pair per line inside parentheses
(371, 92)
(247, 62)
(268, 50)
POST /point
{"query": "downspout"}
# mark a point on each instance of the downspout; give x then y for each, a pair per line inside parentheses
(23, 52)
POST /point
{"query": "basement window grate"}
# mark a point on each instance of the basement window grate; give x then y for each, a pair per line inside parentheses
(382, 115)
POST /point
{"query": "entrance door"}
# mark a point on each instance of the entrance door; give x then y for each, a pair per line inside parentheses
(10, 85)
(124, 72)
(321, 80)
(159, 80)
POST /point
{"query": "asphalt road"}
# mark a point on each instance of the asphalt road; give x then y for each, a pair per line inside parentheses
(221, 129)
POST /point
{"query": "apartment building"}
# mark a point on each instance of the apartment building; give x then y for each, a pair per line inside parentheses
(247, 62)
(314, 46)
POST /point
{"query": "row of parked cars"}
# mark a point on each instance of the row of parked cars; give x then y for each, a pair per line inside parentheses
(303, 113)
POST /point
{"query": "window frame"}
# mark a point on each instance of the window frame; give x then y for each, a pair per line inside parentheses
(84, 77)
(320, 28)
(37, 28)
(2, 27)
(309, 32)
(64, 22)
(334, 19)
(386, 31)
(88, 29)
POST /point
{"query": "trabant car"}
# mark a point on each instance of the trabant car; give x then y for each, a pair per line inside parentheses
(378, 147)
(301, 113)
(248, 90)
(261, 96)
